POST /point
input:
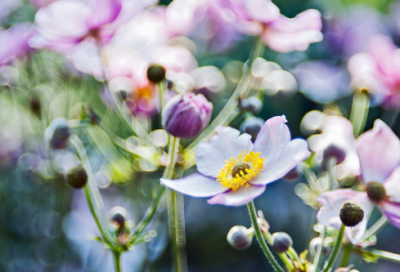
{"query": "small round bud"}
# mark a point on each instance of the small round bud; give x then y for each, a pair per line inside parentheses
(294, 174)
(376, 191)
(123, 94)
(252, 126)
(59, 133)
(77, 177)
(282, 242)
(156, 73)
(351, 213)
(119, 215)
(252, 104)
(239, 237)
(334, 151)
(316, 243)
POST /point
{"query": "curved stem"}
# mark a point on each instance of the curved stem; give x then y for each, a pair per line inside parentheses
(283, 256)
(335, 251)
(359, 112)
(230, 107)
(379, 254)
(117, 260)
(169, 169)
(375, 227)
(311, 178)
(318, 255)
(260, 238)
(92, 193)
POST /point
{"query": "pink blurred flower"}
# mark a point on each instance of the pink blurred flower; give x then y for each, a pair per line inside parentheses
(64, 24)
(337, 131)
(234, 171)
(378, 71)
(14, 42)
(379, 154)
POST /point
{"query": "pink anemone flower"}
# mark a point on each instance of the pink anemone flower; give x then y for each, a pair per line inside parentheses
(234, 171)
(379, 154)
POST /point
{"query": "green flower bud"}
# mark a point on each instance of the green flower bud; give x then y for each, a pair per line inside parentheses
(375, 191)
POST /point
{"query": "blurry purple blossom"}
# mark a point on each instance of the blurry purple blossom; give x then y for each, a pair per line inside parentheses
(377, 70)
(14, 42)
(322, 81)
(379, 153)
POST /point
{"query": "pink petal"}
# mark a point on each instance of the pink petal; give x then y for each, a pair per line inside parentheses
(286, 35)
(331, 202)
(293, 153)
(392, 211)
(262, 10)
(227, 144)
(103, 12)
(379, 152)
(272, 138)
(239, 197)
(195, 185)
(14, 42)
(392, 185)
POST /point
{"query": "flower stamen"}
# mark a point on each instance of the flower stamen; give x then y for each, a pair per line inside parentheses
(238, 172)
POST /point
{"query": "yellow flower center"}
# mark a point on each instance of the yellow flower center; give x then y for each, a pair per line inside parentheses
(238, 172)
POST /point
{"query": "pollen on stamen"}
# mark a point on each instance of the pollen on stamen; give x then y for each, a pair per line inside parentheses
(239, 171)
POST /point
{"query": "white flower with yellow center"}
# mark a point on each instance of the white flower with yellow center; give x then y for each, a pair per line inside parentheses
(234, 171)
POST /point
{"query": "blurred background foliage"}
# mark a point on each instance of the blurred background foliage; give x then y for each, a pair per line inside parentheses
(44, 223)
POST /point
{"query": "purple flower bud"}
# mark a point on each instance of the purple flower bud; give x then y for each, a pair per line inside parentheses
(185, 116)
(252, 104)
(282, 242)
(239, 237)
(294, 174)
(252, 126)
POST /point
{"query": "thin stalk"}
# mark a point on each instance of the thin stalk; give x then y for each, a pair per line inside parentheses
(293, 254)
(92, 193)
(311, 179)
(169, 169)
(318, 255)
(117, 260)
(332, 181)
(348, 249)
(380, 254)
(260, 238)
(288, 263)
(375, 228)
(335, 251)
(359, 112)
(230, 107)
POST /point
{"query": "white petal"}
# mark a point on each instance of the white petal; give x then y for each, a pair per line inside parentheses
(195, 185)
(272, 138)
(239, 197)
(392, 186)
(295, 152)
(227, 144)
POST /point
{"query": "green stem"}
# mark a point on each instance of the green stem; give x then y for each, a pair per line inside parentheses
(380, 254)
(260, 238)
(335, 251)
(375, 228)
(283, 256)
(230, 107)
(311, 178)
(318, 255)
(169, 169)
(117, 260)
(359, 112)
(92, 193)
(293, 254)
(348, 249)
(332, 181)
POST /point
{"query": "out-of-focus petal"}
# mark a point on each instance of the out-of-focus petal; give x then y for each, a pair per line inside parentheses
(195, 185)
(262, 10)
(239, 197)
(286, 35)
(14, 42)
(392, 186)
(392, 211)
(331, 203)
(62, 22)
(103, 12)
(227, 144)
(379, 152)
(294, 152)
(272, 138)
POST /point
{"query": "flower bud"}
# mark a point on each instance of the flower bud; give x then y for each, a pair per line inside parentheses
(294, 174)
(77, 177)
(59, 133)
(281, 242)
(239, 237)
(316, 243)
(333, 151)
(375, 191)
(252, 104)
(35, 106)
(185, 116)
(351, 213)
(119, 215)
(252, 126)
(155, 73)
